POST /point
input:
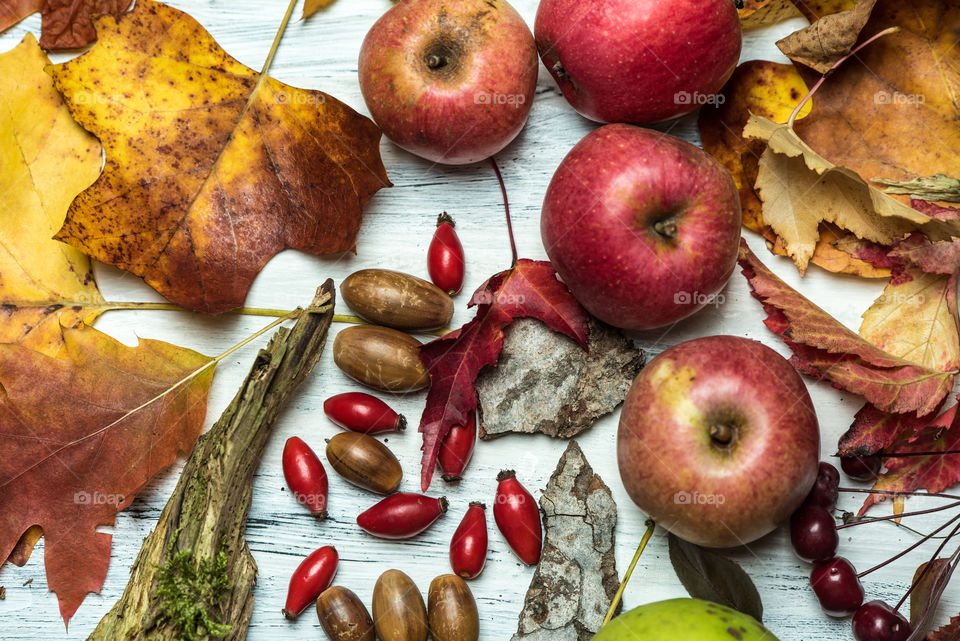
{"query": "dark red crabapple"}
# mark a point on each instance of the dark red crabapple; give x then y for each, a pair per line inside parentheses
(861, 468)
(813, 533)
(877, 621)
(837, 587)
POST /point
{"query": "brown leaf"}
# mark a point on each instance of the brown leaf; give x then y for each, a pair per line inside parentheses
(101, 443)
(67, 24)
(926, 583)
(829, 39)
(891, 110)
(948, 632)
(13, 11)
(211, 169)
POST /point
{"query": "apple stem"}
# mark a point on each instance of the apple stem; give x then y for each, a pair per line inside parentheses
(898, 493)
(898, 516)
(506, 209)
(721, 433)
(666, 228)
(916, 545)
(626, 577)
(813, 90)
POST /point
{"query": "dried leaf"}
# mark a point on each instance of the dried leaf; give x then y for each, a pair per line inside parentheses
(708, 575)
(873, 431)
(43, 283)
(67, 24)
(520, 395)
(756, 13)
(829, 39)
(927, 585)
(932, 257)
(211, 168)
(948, 632)
(770, 90)
(933, 472)
(528, 289)
(939, 212)
(915, 318)
(939, 187)
(576, 578)
(799, 189)
(101, 443)
(891, 111)
(824, 348)
(310, 7)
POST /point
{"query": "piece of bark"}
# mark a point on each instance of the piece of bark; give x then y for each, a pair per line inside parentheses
(203, 525)
(576, 579)
(544, 382)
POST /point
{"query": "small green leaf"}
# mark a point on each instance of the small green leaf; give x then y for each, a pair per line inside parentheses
(710, 576)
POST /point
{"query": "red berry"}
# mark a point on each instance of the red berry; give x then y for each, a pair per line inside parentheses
(402, 515)
(364, 413)
(824, 492)
(445, 257)
(837, 587)
(314, 575)
(877, 621)
(468, 549)
(813, 533)
(457, 448)
(518, 518)
(305, 476)
(861, 468)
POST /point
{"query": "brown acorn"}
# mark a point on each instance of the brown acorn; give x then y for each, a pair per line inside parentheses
(398, 610)
(452, 610)
(364, 461)
(343, 616)
(397, 300)
(381, 358)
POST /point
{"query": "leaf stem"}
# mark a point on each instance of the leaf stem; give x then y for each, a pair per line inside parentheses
(626, 577)
(506, 209)
(813, 90)
(276, 44)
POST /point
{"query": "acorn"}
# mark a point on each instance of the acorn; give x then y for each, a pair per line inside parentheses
(343, 616)
(365, 462)
(452, 610)
(398, 610)
(381, 358)
(396, 300)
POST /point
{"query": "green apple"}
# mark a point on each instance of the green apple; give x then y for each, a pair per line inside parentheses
(684, 620)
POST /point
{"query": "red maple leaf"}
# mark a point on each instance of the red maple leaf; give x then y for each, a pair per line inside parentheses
(873, 431)
(934, 471)
(824, 348)
(529, 289)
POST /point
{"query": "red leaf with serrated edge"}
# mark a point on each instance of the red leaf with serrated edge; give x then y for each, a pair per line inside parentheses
(940, 257)
(873, 430)
(827, 350)
(949, 632)
(934, 472)
(81, 435)
(529, 289)
(934, 210)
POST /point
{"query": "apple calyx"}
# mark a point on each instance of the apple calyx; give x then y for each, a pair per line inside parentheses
(442, 56)
(666, 228)
(722, 434)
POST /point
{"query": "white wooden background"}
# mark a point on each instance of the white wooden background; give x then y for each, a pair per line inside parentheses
(322, 54)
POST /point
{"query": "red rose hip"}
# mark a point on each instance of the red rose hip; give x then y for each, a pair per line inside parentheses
(402, 515)
(360, 412)
(445, 256)
(314, 575)
(518, 518)
(305, 476)
(468, 548)
(457, 449)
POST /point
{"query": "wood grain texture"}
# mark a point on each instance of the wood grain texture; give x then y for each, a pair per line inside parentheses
(321, 53)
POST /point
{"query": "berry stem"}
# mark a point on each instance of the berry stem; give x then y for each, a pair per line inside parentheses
(626, 577)
(506, 209)
(901, 515)
(839, 62)
(926, 569)
(915, 546)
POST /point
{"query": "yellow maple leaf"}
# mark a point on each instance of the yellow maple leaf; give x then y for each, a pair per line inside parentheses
(47, 160)
(211, 168)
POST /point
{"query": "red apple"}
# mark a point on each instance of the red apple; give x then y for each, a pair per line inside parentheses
(638, 61)
(450, 81)
(718, 440)
(643, 228)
